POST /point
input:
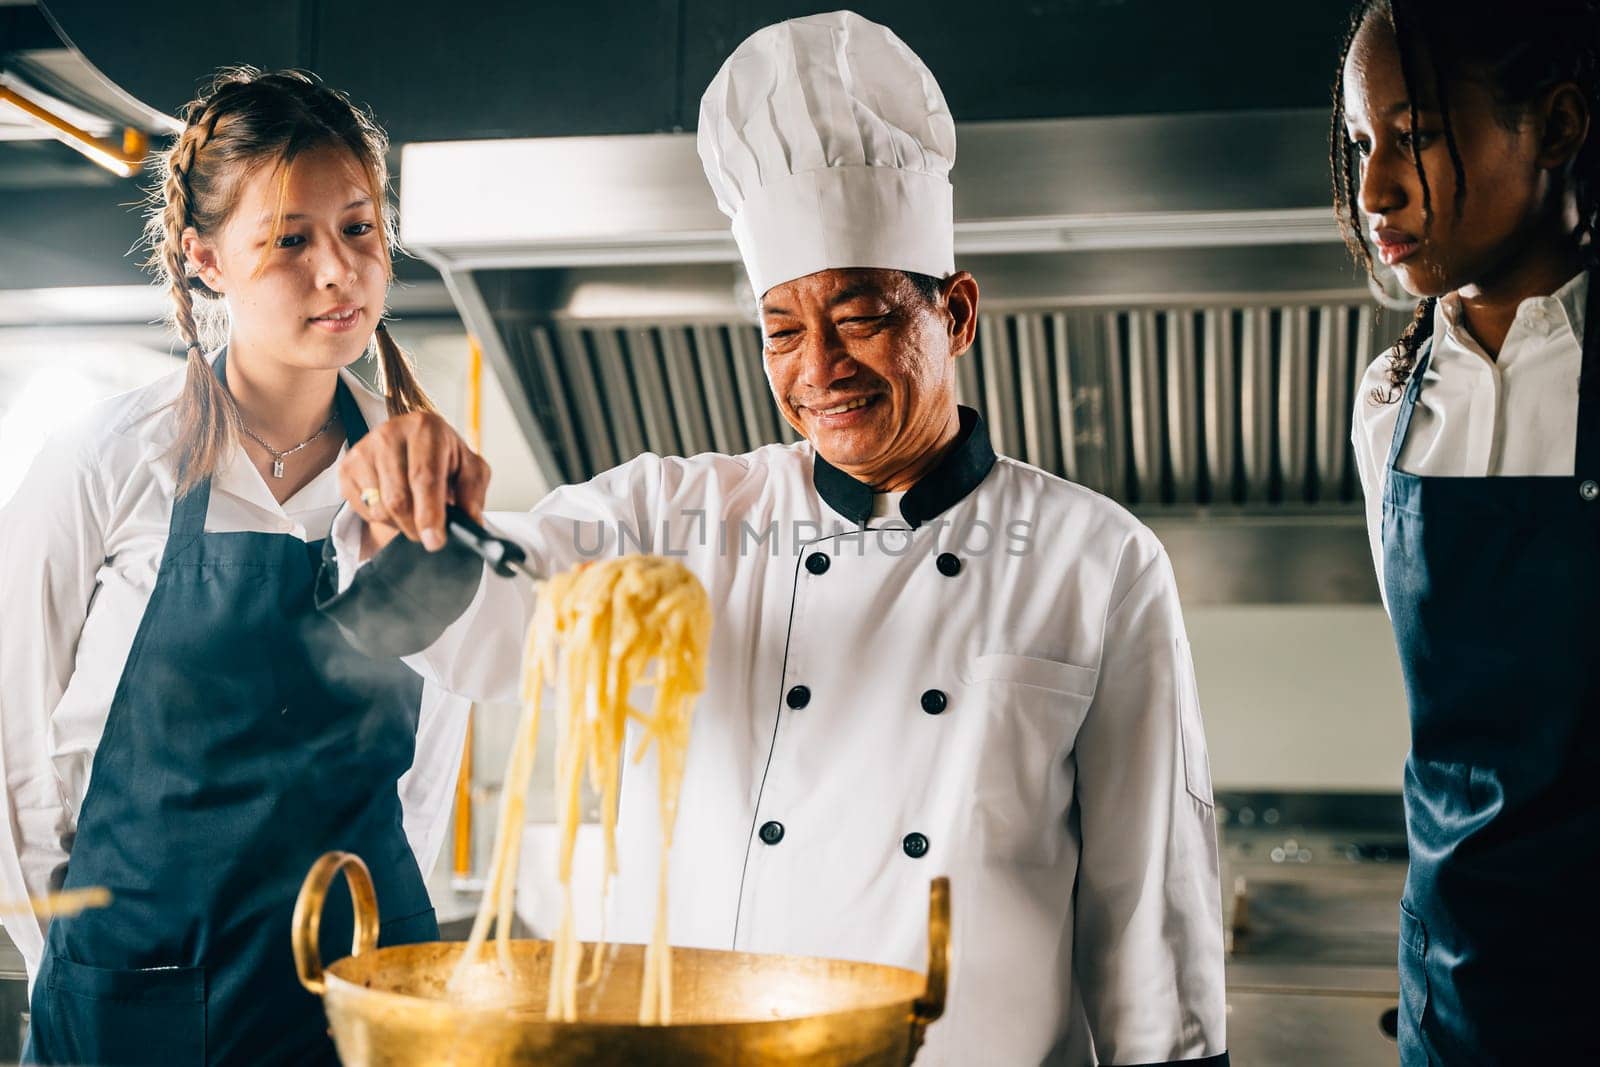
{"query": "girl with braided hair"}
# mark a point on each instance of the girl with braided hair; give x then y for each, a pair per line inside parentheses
(185, 729)
(1465, 156)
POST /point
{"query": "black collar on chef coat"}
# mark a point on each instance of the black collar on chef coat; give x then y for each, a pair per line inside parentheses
(966, 464)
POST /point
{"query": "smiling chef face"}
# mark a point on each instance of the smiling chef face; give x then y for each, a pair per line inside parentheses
(862, 363)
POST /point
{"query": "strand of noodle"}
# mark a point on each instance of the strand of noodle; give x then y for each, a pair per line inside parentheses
(585, 664)
(500, 881)
(522, 759)
(595, 631)
(570, 757)
(486, 916)
(612, 727)
(609, 724)
(669, 729)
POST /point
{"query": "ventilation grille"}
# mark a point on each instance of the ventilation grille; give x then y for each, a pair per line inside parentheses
(1244, 406)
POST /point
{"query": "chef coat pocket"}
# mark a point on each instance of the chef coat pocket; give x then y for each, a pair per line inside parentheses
(1192, 729)
(1033, 709)
(101, 1016)
(1039, 673)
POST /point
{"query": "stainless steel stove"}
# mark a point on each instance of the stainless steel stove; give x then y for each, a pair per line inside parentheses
(1311, 890)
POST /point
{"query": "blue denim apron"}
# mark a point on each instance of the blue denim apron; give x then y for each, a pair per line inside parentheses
(1494, 592)
(246, 738)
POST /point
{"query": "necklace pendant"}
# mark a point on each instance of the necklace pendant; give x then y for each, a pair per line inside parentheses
(277, 466)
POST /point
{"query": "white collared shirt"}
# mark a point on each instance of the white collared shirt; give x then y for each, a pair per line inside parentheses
(1060, 780)
(80, 547)
(886, 509)
(1478, 417)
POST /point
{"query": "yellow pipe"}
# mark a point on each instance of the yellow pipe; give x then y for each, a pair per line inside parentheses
(461, 851)
(462, 844)
(124, 161)
(474, 394)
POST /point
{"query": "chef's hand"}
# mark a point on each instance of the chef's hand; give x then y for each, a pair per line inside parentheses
(417, 464)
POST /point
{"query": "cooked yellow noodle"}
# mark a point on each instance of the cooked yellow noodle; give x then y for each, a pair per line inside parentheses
(594, 631)
(62, 905)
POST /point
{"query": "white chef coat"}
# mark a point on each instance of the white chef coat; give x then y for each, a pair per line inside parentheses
(80, 547)
(1478, 417)
(1064, 788)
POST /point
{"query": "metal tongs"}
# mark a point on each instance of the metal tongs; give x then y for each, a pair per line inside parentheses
(506, 558)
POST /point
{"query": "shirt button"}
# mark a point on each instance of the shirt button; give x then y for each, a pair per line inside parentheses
(772, 832)
(798, 697)
(934, 701)
(817, 563)
(915, 845)
(1589, 490)
(949, 564)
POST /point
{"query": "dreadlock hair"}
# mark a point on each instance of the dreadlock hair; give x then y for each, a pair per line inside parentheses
(243, 120)
(1519, 51)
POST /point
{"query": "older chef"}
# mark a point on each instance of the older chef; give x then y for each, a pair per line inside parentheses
(927, 659)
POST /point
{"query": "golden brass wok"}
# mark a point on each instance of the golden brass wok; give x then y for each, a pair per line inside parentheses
(389, 1007)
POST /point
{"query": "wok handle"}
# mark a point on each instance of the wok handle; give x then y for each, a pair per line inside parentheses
(930, 1006)
(308, 913)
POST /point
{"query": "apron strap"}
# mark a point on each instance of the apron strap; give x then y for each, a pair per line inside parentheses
(189, 511)
(355, 425)
(1586, 460)
(1408, 404)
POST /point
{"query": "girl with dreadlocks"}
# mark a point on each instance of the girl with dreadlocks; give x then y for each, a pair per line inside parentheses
(178, 724)
(1464, 155)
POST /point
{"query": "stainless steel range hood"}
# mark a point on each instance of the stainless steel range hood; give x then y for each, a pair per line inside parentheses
(1169, 315)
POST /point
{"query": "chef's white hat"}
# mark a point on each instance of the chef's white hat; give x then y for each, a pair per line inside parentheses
(829, 144)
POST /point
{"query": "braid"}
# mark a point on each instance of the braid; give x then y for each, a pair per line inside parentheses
(1345, 190)
(1407, 349)
(400, 383)
(207, 415)
(1403, 357)
(1400, 18)
(1586, 168)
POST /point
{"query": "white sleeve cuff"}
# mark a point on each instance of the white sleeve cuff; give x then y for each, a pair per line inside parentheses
(348, 526)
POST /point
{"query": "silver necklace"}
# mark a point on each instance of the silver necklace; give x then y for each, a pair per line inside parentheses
(277, 456)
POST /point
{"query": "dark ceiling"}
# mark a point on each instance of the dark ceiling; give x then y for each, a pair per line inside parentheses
(500, 68)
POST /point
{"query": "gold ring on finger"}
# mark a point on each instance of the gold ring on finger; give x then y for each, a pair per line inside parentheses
(371, 497)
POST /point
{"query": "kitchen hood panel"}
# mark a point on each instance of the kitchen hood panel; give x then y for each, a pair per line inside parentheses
(1203, 402)
(1254, 178)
